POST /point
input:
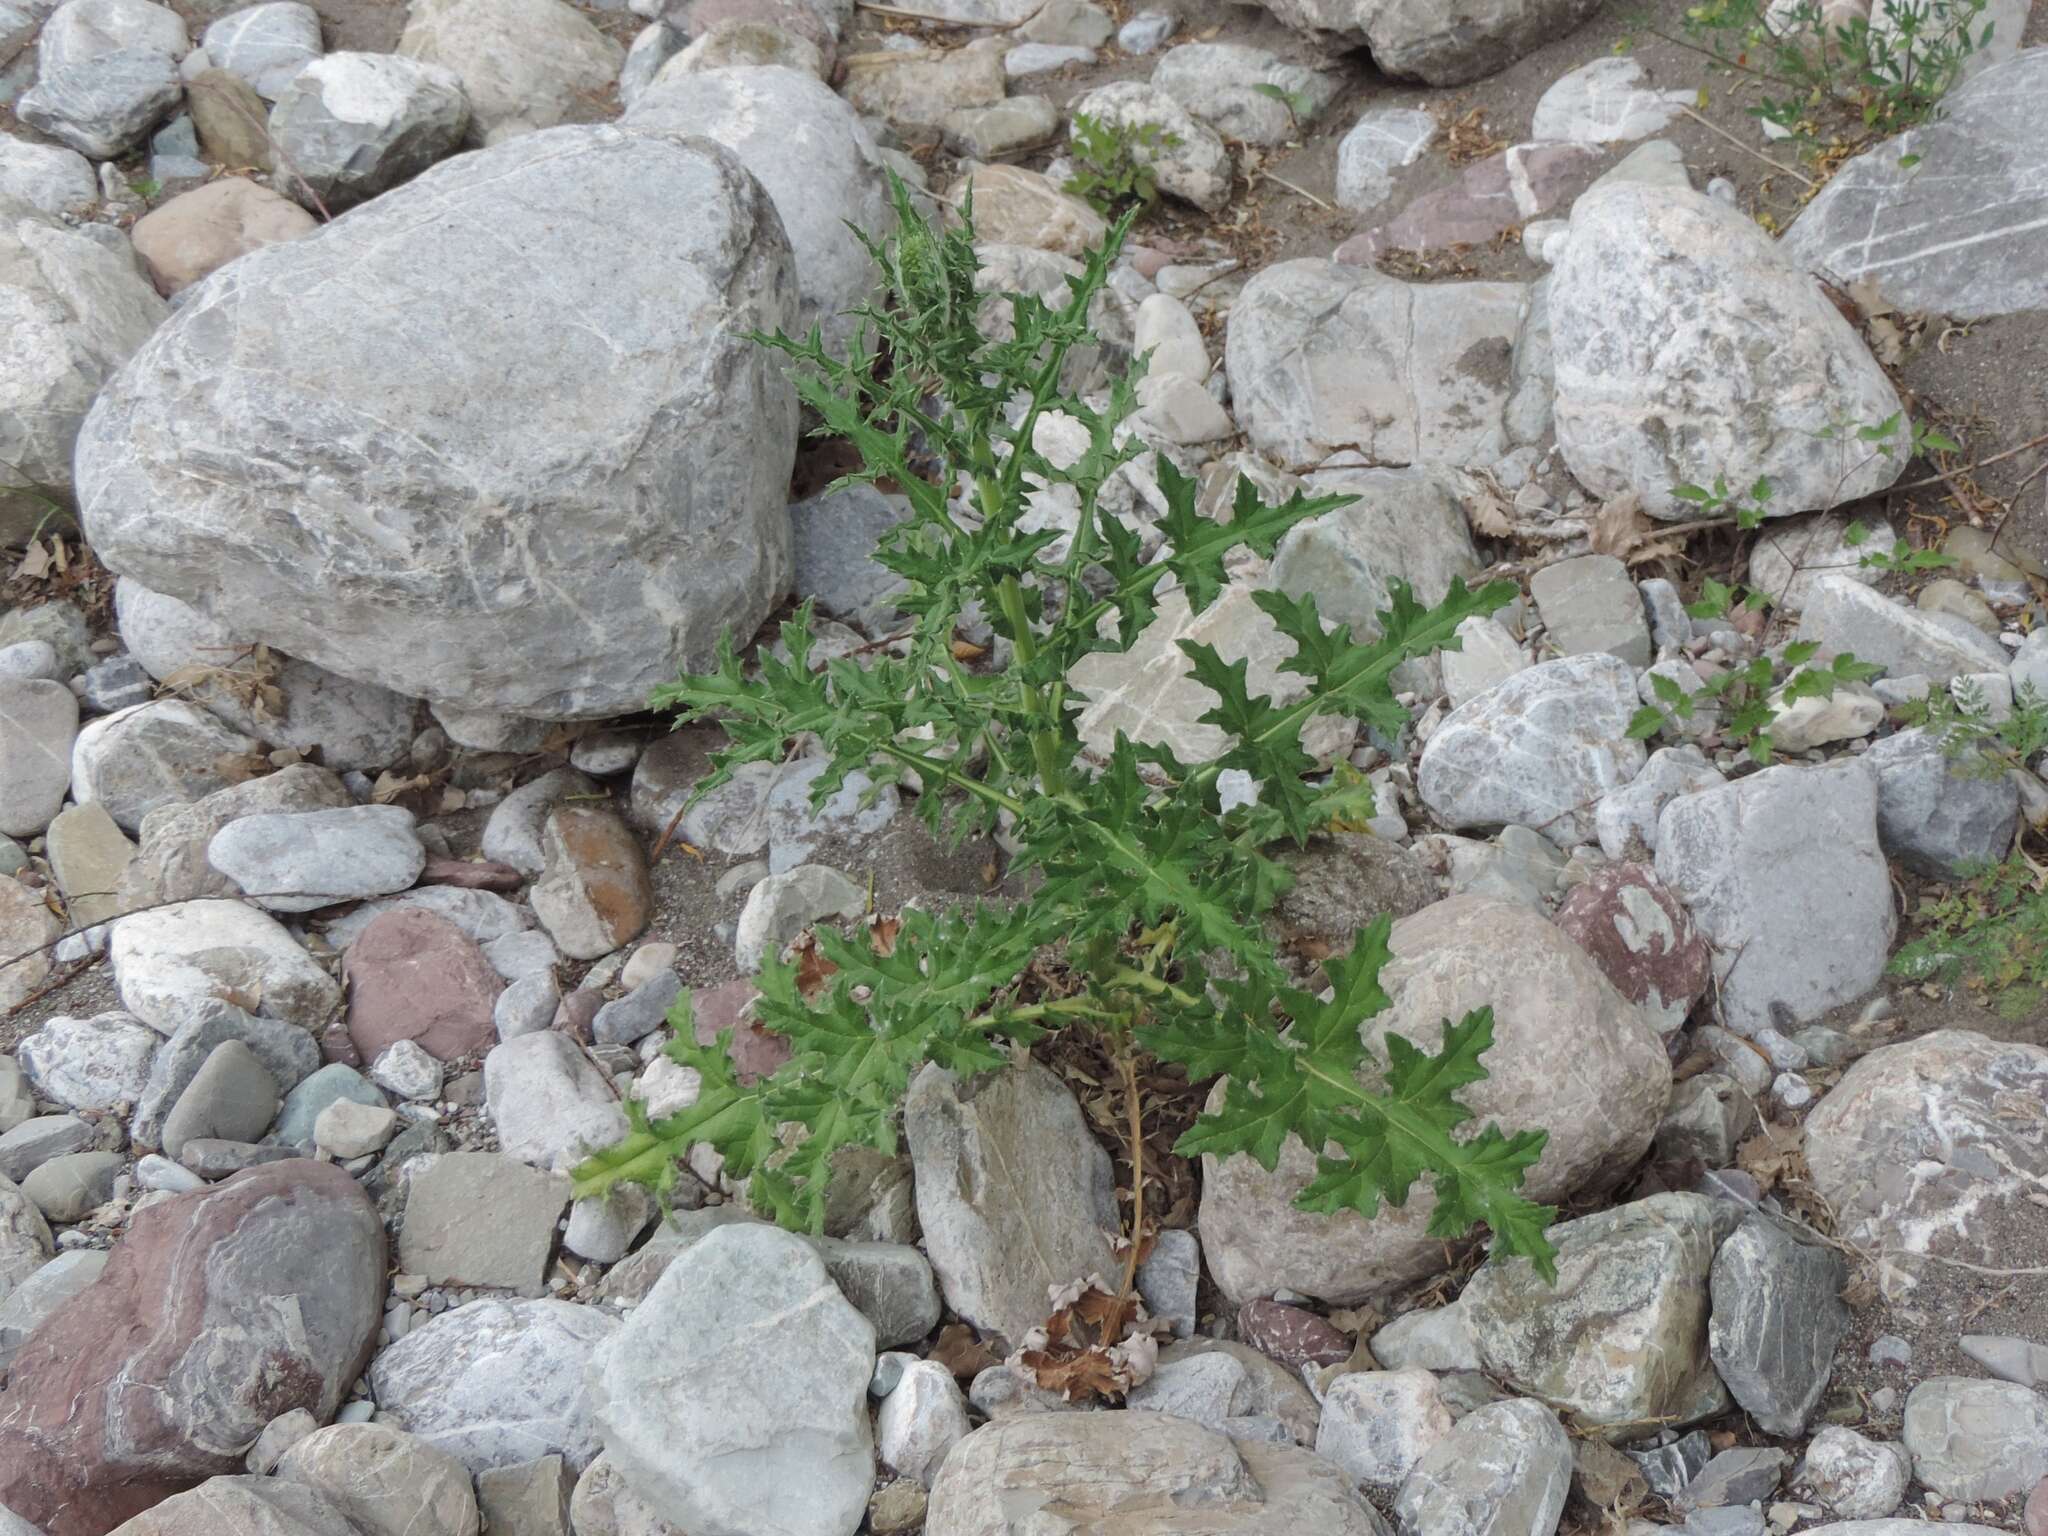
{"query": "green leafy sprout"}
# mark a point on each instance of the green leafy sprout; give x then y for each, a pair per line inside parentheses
(1115, 163)
(1145, 925)
(1988, 931)
(1981, 742)
(1889, 74)
(1753, 695)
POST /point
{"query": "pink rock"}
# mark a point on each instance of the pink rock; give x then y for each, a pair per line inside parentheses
(1490, 197)
(220, 1310)
(413, 975)
(755, 1051)
(1643, 940)
(1291, 1335)
(2035, 1516)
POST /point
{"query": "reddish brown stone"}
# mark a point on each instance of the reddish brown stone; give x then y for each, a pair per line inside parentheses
(755, 1051)
(596, 893)
(578, 1011)
(472, 874)
(413, 975)
(1488, 199)
(1291, 1335)
(219, 1311)
(2035, 1516)
(1643, 940)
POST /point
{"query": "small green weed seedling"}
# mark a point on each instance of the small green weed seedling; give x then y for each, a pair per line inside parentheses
(1891, 72)
(1145, 923)
(1113, 163)
(1751, 695)
(1299, 104)
(1989, 932)
(1981, 747)
(1902, 559)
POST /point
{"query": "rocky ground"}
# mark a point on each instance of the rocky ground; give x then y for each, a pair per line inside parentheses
(380, 429)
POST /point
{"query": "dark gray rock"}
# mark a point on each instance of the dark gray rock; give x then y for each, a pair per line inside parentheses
(1778, 1317)
(1937, 815)
(287, 1053)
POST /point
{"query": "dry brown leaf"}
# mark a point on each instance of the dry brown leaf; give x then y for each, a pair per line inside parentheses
(36, 564)
(813, 970)
(565, 735)
(241, 767)
(1622, 528)
(1489, 514)
(960, 1352)
(389, 787)
(1098, 1345)
(967, 650)
(1773, 1159)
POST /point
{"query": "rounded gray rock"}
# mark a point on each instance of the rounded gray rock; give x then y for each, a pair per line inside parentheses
(297, 861)
(492, 551)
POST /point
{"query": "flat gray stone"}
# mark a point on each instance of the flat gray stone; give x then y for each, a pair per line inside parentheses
(310, 1097)
(1324, 357)
(1976, 1440)
(388, 1481)
(155, 755)
(289, 1056)
(1590, 605)
(265, 45)
(232, 1097)
(481, 1219)
(38, 724)
(1380, 143)
(1220, 83)
(1406, 525)
(94, 1063)
(1745, 859)
(1842, 614)
(297, 861)
(524, 64)
(1014, 1195)
(1970, 239)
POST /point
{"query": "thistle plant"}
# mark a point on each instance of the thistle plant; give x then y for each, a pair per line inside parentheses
(1144, 923)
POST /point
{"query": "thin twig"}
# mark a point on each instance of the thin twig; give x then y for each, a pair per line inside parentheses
(1134, 1110)
(1976, 464)
(1755, 154)
(1297, 191)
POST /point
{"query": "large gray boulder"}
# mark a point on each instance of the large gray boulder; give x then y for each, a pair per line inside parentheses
(1917, 1151)
(816, 158)
(538, 486)
(1746, 859)
(1444, 42)
(1969, 240)
(734, 1398)
(73, 312)
(1938, 815)
(1569, 1054)
(1407, 524)
(1138, 1474)
(106, 73)
(1688, 349)
(1324, 357)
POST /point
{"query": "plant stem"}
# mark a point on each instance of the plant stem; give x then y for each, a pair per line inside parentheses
(1134, 1113)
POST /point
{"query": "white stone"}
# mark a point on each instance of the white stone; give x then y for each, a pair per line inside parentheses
(1538, 750)
(296, 861)
(169, 964)
(1378, 1424)
(923, 1419)
(523, 63)
(552, 1106)
(734, 1399)
(783, 906)
(1196, 170)
(94, 1063)
(497, 1383)
(815, 157)
(1379, 144)
(1688, 349)
(1605, 102)
(265, 45)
